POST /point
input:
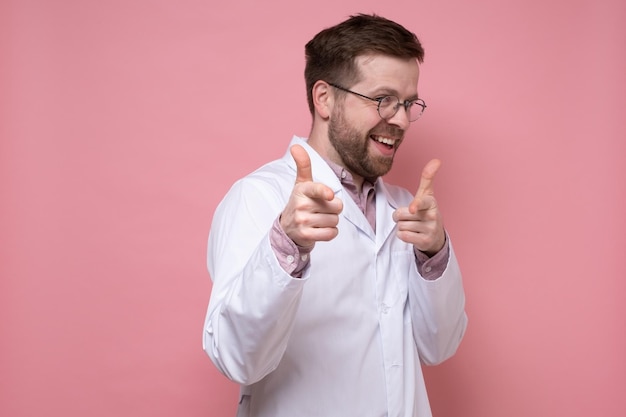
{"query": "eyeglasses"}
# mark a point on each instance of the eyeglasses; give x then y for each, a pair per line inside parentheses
(388, 105)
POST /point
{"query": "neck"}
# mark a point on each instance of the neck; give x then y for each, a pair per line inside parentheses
(325, 149)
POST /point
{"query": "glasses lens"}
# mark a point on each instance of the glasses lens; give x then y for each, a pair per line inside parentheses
(388, 106)
(415, 110)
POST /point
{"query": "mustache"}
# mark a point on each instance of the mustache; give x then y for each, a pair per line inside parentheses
(389, 131)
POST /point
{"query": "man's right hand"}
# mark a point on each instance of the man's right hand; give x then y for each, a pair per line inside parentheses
(312, 212)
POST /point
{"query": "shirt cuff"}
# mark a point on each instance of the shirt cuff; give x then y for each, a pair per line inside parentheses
(431, 268)
(291, 257)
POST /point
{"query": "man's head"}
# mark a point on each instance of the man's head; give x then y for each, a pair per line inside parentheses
(331, 54)
(362, 79)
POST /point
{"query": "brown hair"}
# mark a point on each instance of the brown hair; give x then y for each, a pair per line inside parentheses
(330, 55)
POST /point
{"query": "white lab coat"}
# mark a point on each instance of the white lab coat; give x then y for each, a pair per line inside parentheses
(347, 338)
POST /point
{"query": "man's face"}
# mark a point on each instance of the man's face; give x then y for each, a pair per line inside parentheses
(365, 143)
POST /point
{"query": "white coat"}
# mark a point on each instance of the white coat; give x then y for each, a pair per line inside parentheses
(347, 338)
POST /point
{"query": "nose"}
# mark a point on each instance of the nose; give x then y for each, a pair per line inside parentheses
(400, 118)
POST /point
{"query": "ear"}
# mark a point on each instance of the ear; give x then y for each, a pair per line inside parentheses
(323, 99)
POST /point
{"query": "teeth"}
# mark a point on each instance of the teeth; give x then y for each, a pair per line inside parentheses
(384, 140)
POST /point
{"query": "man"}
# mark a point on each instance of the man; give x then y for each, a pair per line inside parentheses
(329, 285)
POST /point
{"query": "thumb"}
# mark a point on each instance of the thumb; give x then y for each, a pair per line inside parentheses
(303, 164)
(426, 186)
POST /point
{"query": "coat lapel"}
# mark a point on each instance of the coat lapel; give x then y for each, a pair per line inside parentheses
(385, 206)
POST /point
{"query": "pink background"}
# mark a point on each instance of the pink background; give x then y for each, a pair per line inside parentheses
(123, 123)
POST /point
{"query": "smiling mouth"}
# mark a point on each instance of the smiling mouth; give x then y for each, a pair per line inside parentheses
(390, 143)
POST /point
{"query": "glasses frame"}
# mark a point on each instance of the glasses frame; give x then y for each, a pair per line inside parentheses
(406, 104)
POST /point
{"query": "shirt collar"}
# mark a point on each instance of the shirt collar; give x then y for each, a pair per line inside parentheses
(346, 178)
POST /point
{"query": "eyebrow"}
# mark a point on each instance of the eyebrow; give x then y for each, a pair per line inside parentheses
(391, 92)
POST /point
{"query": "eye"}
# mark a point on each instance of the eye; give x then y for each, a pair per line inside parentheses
(387, 101)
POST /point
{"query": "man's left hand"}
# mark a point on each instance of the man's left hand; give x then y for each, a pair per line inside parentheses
(421, 223)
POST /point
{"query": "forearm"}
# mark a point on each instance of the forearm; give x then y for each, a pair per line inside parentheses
(250, 317)
(253, 300)
(438, 313)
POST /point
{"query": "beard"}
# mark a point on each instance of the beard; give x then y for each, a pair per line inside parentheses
(352, 146)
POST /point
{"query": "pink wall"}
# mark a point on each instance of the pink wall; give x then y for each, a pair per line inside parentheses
(124, 122)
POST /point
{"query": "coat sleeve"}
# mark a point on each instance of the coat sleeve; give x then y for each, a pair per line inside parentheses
(438, 313)
(253, 300)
